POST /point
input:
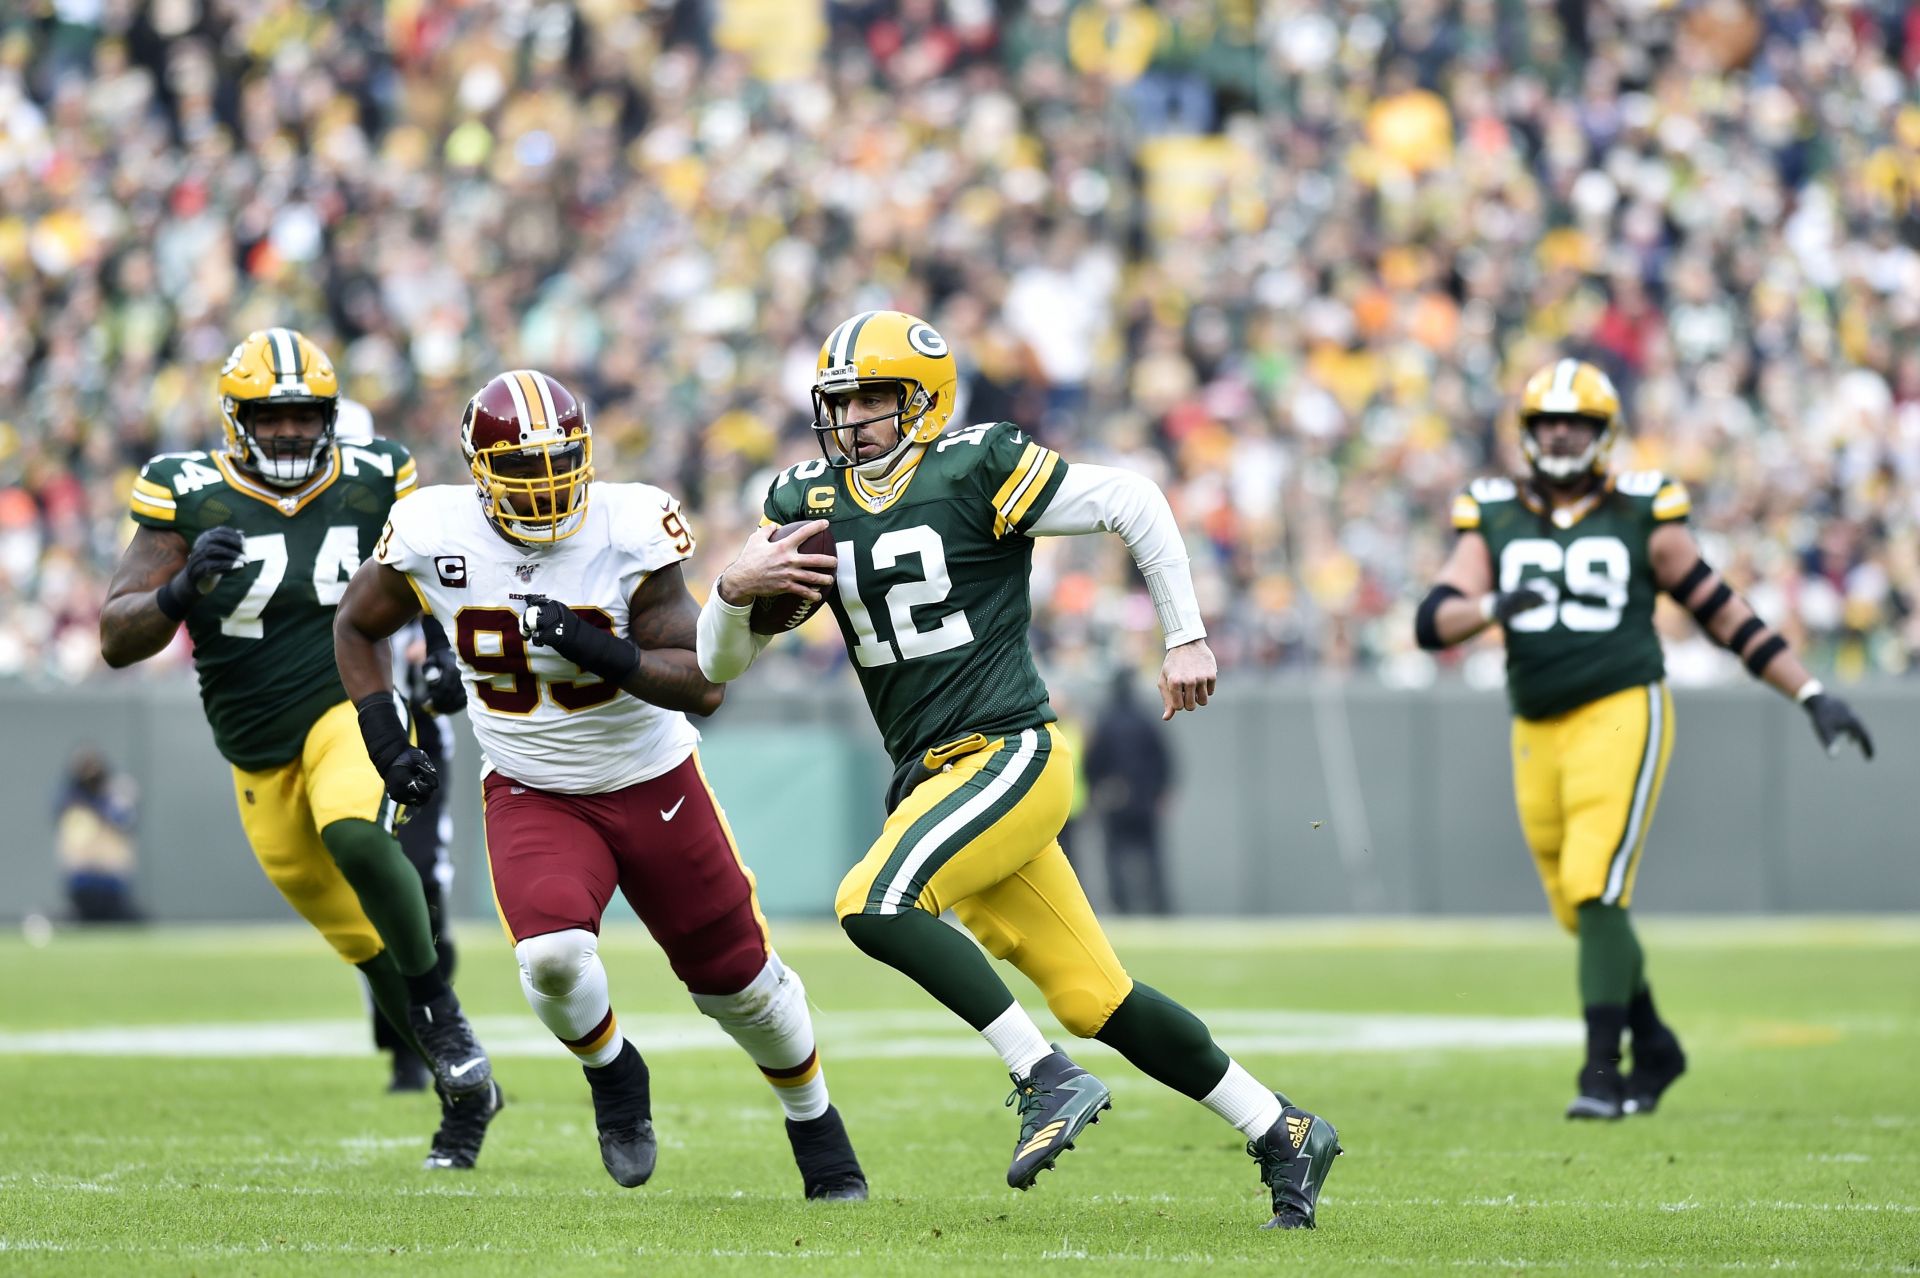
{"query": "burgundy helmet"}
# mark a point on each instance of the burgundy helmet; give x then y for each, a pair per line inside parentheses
(530, 449)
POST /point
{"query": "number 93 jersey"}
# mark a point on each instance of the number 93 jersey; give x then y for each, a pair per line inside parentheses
(1594, 634)
(931, 591)
(263, 639)
(541, 720)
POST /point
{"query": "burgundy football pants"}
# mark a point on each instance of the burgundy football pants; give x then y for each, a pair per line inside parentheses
(556, 859)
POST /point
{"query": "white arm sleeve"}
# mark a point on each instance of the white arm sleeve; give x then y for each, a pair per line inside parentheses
(1105, 499)
(726, 647)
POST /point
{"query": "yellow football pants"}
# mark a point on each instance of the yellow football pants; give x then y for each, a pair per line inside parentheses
(1586, 783)
(980, 838)
(284, 809)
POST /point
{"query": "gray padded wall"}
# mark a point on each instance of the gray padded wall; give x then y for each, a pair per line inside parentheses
(1412, 792)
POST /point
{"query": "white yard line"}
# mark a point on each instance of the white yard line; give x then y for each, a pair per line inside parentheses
(848, 1035)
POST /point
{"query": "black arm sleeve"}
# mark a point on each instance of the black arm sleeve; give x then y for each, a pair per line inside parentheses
(1426, 631)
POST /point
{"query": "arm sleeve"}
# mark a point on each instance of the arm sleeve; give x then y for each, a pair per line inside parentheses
(398, 547)
(1672, 503)
(649, 526)
(151, 502)
(726, 647)
(406, 475)
(1104, 499)
(1018, 477)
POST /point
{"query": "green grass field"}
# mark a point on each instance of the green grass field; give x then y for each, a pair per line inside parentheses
(205, 1101)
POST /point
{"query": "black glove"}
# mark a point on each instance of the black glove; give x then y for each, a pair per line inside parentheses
(216, 552)
(404, 768)
(586, 645)
(1834, 719)
(1508, 604)
(440, 672)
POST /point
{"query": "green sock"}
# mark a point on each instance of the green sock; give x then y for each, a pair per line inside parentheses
(389, 994)
(389, 891)
(1165, 1041)
(1610, 959)
(936, 958)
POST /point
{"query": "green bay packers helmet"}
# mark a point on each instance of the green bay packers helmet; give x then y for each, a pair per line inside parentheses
(1569, 388)
(877, 348)
(277, 366)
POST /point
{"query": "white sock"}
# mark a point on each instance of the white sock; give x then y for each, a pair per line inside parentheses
(1244, 1101)
(566, 985)
(770, 1021)
(1018, 1040)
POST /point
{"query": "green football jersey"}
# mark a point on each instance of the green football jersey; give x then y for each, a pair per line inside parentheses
(1594, 635)
(263, 639)
(932, 585)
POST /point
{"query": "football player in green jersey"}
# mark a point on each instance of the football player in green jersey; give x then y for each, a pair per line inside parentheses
(933, 535)
(1569, 564)
(252, 547)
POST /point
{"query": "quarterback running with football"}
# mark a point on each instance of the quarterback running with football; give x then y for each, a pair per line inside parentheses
(252, 547)
(575, 632)
(1569, 563)
(933, 537)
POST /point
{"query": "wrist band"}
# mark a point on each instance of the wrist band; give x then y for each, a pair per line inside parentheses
(1808, 691)
(1170, 586)
(171, 600)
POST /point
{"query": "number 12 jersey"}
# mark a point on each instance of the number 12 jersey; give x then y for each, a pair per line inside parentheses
(931, 591)
(540, 720)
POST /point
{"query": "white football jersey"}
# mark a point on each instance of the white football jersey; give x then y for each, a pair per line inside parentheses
(539, 719)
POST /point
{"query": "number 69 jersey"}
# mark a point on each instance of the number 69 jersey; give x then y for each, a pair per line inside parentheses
(1594, 635)
(539, 718)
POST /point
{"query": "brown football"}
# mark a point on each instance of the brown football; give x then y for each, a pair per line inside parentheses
(781, 613)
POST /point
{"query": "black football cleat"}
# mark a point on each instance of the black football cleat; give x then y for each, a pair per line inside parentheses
(628, 1152)
(1295, 1156)
(623, 1115)
(824, 1155)
(1655, 1069)
(1600, 1094)
(454, 1055)
(1056, 1102)
(464, 1117)
(409, 1074)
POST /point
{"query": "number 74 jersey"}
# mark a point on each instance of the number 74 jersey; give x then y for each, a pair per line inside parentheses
(540, 720)
(263, 639)
(1594, 634)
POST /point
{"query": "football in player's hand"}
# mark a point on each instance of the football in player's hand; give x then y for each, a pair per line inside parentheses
(777, 614)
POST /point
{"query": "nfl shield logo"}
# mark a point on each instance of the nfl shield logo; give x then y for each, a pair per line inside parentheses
(524, 571)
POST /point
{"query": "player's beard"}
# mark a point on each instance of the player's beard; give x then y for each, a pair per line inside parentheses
(885, 464)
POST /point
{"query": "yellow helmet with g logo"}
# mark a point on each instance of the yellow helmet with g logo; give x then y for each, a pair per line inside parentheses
(1569, 388)
(277, 366)
(882, 348)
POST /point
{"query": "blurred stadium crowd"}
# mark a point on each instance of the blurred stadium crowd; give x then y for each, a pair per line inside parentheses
(1290, 258)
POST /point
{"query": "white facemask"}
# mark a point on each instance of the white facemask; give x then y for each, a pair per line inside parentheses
(286, 470)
